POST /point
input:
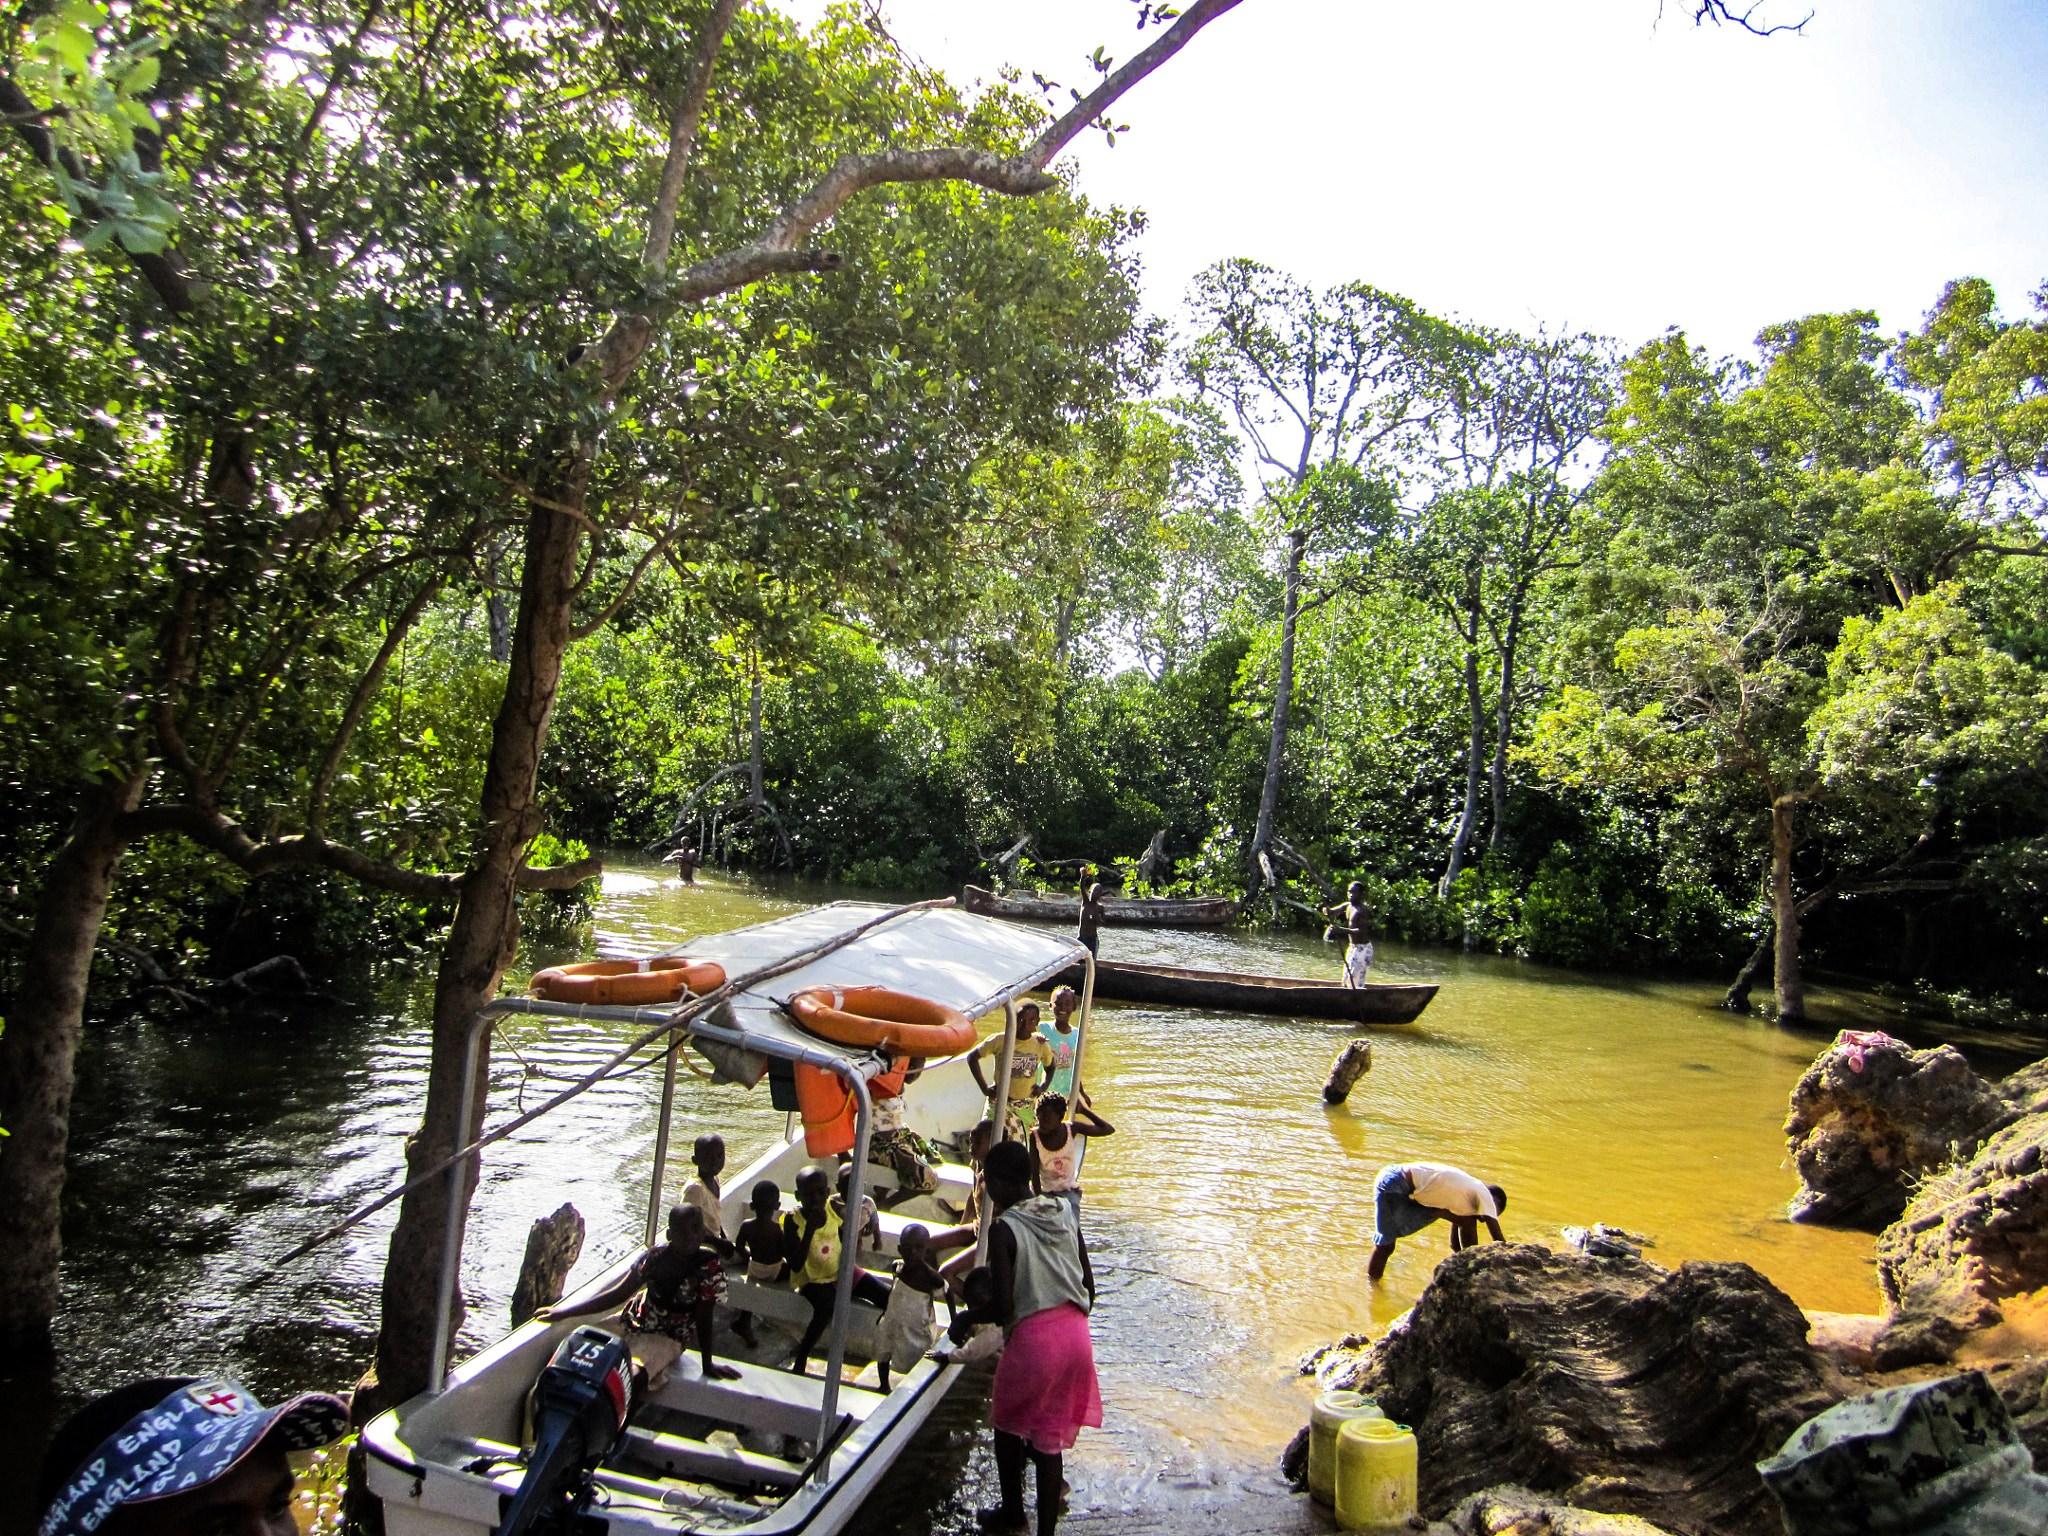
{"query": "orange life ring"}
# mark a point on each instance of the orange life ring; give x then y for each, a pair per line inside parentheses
(628, 983)
(873, 1016)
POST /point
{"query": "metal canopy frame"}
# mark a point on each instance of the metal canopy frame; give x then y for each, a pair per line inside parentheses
(854, 1070)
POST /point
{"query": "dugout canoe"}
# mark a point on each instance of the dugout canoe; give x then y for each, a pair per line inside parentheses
(1297, 997)
(1117, 911)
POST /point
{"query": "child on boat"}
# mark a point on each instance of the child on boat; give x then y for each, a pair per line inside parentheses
(759, 1238)
(811, 1243)
(894, 1146)
(1030, 1059)
(703, 1191)
(973, 1341)
(910, 1321)
(759, 1243)
(1056, 1148)
(673, 1289)
(1065, 1041)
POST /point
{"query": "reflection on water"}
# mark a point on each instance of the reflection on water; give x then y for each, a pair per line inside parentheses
(1230, 1215)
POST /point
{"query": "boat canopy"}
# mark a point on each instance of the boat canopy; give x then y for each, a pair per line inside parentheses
(942, 954)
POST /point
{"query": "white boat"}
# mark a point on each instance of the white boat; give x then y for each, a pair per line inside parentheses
(772, 1452)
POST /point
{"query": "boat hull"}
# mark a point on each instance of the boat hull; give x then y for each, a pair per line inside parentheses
(1117, 911)
(1376, 1003)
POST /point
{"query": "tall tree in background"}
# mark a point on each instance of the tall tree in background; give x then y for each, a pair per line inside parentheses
(1334, 394)
(556, 464)
(1507, 481)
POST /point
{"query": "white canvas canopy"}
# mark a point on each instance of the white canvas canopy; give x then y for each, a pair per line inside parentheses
(948, 956)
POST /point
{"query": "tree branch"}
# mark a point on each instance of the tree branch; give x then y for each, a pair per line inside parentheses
(211, 830)
(559, 877)
(359, 703)
(682, 133)
(158, 269)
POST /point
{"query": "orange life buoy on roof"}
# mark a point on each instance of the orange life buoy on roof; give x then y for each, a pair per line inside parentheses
(628, 983)
(872, 1016)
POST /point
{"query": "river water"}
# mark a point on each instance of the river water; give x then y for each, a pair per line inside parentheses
(1230, 1214)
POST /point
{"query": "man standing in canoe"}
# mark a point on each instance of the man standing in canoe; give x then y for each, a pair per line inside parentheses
(1091, 917)
(1409, 1196)
(1353, 919)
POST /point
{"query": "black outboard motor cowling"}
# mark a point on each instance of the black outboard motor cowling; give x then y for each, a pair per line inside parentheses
(579, 1412)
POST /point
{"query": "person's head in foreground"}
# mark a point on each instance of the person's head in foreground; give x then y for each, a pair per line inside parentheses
(181, 1456)
(914, 1244)
(1027, 1020)
(1007, 1173)
(1356, 892)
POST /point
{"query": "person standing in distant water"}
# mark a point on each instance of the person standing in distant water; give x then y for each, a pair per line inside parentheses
(686, 861)
(1091, 917)
(1353, 919)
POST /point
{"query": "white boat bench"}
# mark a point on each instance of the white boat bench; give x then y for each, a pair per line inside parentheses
(762, 1398)
(681, 1456)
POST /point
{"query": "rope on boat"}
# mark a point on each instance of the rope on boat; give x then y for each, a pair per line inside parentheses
(671, 1023)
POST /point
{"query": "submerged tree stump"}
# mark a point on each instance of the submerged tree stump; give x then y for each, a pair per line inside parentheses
(552, 1248)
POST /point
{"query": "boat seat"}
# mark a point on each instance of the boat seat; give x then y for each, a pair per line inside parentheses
(956, 1181)
(681, 1456)
(781, 1305)
(762, 1398)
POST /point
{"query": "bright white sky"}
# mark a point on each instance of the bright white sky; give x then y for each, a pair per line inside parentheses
(1575, 163)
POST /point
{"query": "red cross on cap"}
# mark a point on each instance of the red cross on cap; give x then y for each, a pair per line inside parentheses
(218, 1397)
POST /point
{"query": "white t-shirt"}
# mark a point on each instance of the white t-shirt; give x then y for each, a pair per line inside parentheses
(698, 1193)
(1444, 1188)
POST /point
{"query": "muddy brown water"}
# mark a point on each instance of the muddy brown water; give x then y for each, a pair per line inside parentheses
(1230, 1215)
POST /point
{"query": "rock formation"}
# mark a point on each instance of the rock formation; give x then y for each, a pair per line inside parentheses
(1511, 1511)
(1872, 1116)
(1973, 1236)
(1612, 1385)
(553, 1244)
(1352, 1063)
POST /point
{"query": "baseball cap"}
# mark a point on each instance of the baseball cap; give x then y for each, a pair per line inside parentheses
(168, 1435)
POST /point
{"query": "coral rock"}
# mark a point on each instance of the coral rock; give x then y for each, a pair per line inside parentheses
(1972, 1236)
(1872, 1116)
(1613, 1385)
(1511, 1511)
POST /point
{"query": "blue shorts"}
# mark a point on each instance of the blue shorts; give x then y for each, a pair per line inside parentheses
(1396, 1211)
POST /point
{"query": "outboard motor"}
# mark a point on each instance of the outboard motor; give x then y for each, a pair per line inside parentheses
(579, 1412)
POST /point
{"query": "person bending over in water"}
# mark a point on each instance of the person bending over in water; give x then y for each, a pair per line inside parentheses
(1409, 1196)
(674, 1287)
(811, 1241)
(1056, 1149)
(1353, 919)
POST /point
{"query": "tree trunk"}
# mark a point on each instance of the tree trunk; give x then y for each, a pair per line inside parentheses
(1785, 910)
(1475, 757)
(1283, 692)
(757, 791)
(36, 1053)
(1503, 728)
(482, 941)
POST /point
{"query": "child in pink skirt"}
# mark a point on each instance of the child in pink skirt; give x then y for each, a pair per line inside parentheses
(1045, 1389)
